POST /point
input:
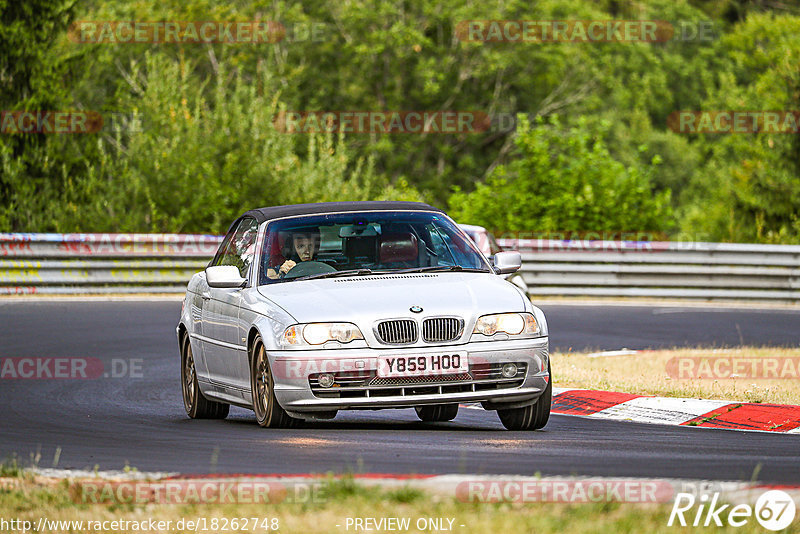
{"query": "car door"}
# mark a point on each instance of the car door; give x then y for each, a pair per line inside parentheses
(202, 296)
(225, 353)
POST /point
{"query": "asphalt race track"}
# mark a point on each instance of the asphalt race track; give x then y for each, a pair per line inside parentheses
(139, 421)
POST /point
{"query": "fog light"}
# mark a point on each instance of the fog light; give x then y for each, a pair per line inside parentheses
(325, 380)
(509, 370)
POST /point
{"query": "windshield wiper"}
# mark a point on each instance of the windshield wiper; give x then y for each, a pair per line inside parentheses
(366, 272)
(442, 268)
(334, 274)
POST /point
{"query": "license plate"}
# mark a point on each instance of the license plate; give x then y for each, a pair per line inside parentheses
(423, 365)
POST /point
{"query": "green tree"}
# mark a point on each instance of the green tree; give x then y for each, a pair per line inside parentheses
(390, 55)
(187, 162)
(564, 179)
(32, 76)
(749, 188)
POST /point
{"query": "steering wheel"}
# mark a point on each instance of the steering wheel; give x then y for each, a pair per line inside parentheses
(306, 268)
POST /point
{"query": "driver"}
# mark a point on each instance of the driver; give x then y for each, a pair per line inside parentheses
(299, 246)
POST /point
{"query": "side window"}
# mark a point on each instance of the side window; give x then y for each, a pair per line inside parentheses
(241, 246)
(222, 246)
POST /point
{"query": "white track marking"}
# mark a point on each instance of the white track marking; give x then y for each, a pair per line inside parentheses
(660, 410)
(623, 352)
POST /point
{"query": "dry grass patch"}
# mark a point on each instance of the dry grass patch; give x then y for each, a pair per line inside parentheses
(652, 373)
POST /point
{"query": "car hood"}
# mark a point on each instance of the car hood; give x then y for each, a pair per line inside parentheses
(367, 298)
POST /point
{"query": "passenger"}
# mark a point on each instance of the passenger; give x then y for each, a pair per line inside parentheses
(300, 246)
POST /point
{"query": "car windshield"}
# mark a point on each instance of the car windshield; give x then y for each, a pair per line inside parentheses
(359, 243)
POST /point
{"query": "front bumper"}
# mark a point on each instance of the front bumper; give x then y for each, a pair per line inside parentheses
(358, 387)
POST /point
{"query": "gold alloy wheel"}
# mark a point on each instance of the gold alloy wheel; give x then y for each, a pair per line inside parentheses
(263, 377)
(189, 376)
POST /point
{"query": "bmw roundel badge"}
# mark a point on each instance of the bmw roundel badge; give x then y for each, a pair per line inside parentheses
(416, 309)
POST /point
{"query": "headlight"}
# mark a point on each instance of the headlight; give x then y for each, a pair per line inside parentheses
(319, 333)
(513, 324)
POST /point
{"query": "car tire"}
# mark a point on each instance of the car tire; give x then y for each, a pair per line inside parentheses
(269, 413)
(196, 405)
(531, 417)
(437, 413)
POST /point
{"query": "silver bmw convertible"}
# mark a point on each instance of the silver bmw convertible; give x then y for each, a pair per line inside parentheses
(309, 309)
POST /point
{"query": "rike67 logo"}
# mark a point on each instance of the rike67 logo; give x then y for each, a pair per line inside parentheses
(774, 510)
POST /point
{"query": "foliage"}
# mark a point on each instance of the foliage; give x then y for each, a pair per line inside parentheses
(206, 148)
(30, 74)
(31, 77)
(180, 161)
(565, 179)
(749, 188)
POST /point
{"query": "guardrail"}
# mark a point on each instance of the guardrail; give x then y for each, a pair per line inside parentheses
(101, 263)
(163, 263)
(662, 269)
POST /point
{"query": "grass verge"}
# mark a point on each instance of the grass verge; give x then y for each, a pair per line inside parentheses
(30, 500)
(651, 373)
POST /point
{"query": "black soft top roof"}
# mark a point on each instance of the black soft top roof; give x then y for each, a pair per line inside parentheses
(276, 212)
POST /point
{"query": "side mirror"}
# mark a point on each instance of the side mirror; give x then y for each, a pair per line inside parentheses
(224, 276)
(507, 262)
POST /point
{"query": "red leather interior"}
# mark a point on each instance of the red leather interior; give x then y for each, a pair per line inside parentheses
(398, 246)
(276, 250)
